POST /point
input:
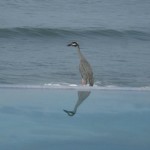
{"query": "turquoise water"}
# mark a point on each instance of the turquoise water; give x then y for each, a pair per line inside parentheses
(114, 37)
(107, 119)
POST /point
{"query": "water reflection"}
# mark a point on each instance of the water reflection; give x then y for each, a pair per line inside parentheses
(82, 95)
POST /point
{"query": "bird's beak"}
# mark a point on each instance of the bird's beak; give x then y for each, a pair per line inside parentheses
(69, 45)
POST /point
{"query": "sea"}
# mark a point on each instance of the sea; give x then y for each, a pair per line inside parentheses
(114, 36)
(43, 105)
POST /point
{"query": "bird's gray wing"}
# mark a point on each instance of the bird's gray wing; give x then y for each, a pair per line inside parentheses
(86, 71)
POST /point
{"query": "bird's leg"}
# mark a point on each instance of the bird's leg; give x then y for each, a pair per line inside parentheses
(83, 82)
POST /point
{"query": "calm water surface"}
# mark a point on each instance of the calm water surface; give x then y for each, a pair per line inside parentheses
(34, 119)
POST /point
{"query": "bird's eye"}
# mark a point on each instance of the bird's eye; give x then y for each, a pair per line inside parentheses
(74, 44)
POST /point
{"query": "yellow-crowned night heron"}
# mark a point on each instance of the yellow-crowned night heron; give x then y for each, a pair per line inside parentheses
(84, 67)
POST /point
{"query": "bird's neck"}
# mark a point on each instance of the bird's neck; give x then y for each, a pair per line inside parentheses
(79, 53)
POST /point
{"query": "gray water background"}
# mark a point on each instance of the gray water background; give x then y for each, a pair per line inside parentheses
(113, 35)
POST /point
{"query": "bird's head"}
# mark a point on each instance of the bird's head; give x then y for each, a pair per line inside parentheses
(70, 113)
(74, 44)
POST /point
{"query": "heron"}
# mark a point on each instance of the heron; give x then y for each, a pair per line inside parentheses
(82, 95)
(84, 67)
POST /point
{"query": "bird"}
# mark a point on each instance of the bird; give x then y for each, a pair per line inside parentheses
(84, 66)
(82, 95)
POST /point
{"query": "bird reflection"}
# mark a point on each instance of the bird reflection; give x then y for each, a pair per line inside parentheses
(82, 95)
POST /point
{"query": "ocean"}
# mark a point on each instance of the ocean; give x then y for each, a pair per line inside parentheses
(113, 36)
(43, 105)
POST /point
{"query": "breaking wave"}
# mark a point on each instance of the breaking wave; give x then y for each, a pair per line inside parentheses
(59, 32)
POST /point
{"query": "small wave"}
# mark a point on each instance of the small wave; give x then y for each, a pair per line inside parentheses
(59, 32)
(29, 31)
(69, 86)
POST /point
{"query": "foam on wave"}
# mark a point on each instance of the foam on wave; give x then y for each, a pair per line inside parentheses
(69, 86)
